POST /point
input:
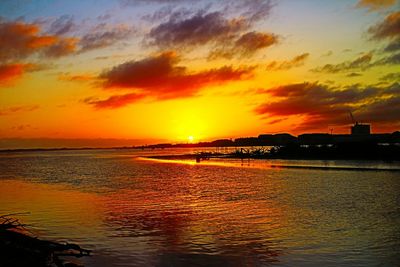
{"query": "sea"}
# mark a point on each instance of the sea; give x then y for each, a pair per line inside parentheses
(132, 210)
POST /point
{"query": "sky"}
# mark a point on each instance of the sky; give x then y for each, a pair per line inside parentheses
(129, 72)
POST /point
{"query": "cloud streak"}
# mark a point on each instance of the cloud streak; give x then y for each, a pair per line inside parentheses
(113, 102)
(361, 63)
(17, 109)
(374, 5)
(321, 105)
(297, 61)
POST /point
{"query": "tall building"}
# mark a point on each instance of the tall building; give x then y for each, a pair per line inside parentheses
(360, 129)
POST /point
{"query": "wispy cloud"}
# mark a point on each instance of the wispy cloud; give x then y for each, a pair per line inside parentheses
(17, 109)
(361, 63)
(113, 102)
(373, 5)
(297, 61)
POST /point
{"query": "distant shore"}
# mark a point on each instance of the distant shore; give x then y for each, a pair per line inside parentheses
(356, 151)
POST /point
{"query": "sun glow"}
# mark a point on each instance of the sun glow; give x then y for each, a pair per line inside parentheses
(190, 139)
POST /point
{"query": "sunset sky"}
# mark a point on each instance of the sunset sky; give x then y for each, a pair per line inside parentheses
(149, 71)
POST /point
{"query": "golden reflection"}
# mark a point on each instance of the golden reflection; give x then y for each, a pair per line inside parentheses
(51, 206)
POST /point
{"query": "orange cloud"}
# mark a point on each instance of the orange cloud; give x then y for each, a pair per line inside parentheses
(21, 40)
(375, 4)
(160, 77)
(113, 102)
(388, 28)
(321, 105)
(11, 72)
(17, 109)
(285, 65)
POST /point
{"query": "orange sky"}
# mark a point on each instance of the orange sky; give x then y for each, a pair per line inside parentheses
(162, 71)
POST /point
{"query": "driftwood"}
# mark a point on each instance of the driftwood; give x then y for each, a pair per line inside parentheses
(18, 249)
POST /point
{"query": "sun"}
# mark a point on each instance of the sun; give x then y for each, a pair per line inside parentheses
(190, 138)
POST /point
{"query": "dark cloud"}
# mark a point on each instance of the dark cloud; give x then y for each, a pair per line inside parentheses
(246, 45)
(353, 74)
(393, 46)
(297, 61)
(63, 47)
(387, 29)
(395, 76)
(17, 109)
(373, 5)
(393, 59)
(253, 41)
(199, 29)
(76, 78)
(160, 77)
(115, 101)
(361, 63)
(20, 40)
(104, 35)
(322, 105)
(62, 25)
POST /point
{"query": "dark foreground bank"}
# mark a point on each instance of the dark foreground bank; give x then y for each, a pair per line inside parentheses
(346, 151)
(19, 249)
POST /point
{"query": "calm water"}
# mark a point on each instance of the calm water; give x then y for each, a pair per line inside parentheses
(137, 212)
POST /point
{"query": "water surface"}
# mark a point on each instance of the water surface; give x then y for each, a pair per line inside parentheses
(137, 212)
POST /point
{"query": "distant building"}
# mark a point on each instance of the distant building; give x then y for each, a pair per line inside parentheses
(360, 129)
(315, 139)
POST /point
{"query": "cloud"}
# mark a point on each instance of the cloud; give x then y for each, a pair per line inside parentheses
(389, 28)
(63, 47)
(245, 46)
(395, 76)
(62, 25)
(10, 72)
(361, 63)
(252, 41)
(373, 5)
(76, 78)
(199, 29)
(17, 109)
(321, 105)
(104, 35)
(393, 45)
(353, 74)
(160, 76)
(297, 61)
(114, 102)
(21, 40)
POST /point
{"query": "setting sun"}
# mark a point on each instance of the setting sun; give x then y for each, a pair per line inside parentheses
(190, 138)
